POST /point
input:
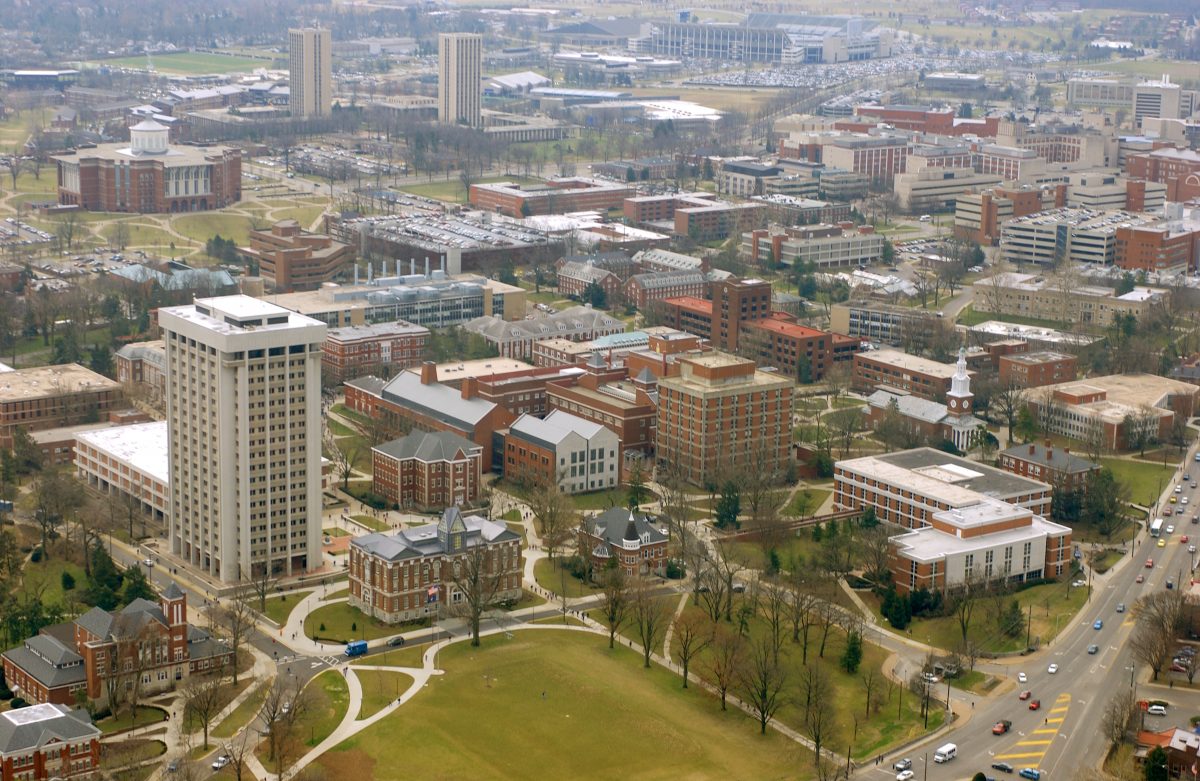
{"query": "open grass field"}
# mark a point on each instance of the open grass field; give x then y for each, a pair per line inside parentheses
(278, 608)
(374, 524)
(185, 63)
(1146, 479)
(590, 692)
(203, 226)
(329, 698)
(553, 578)
(969, 316)
(144, 715)
(1054, 607)
(1180, 71)
(47, 574)
(748, 101)
(344, 623)
(380, 688)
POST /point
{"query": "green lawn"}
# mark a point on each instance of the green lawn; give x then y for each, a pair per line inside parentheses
(335, 532)
(340, 429)
(145, 715)
(228, 693)
(1054, 606)
(380, 688)
(190, 63)
(278, 608)
(411, 655)
(816, 497)
(328, 699)
(451, 189)
(589, 692)
(553, 578)
(1142, 477)
(344, 623)
(613, 497)
(242, 714)
(968, 316)
(374, 524)
(49, 573)
(346, 412)
(339, 594)
(128, 752)
(202, 227)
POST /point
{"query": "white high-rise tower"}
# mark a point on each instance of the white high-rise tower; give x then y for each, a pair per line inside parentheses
(310, 72)
(244, 429)
(460, 68)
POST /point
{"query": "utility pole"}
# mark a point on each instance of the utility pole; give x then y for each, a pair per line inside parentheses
(1029, 625)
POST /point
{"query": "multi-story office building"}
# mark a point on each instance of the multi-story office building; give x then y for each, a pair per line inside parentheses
(1010, 163)
(290, 258)
(1033, 370)
(244, 417)
(783, 38)
(824, 246)
(382, 348)
(129, 461)
(143, 365)
(1108, 191)
(937, 189)
(1099, 93)
(979, 216)
(896, 370)
(460, 73)
(611, 398)
(1058, 467)
(428, 469)
(557, 196)
(882, 323)
(879, 158)
(1061, 299)
(515, 339)
(1178, 169)
(1170, 247)
(564, 449)
(641, 290)
(310, 66)
(45, 397)
(721, 415)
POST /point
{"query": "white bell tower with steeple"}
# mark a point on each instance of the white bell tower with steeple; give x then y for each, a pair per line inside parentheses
(959, 400)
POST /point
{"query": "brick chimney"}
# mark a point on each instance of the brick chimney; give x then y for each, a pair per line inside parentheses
(1032, 448)
(428, 373)
(470, 387)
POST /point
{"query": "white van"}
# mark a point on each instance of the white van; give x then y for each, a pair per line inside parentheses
(1156, 710)
(945, 753)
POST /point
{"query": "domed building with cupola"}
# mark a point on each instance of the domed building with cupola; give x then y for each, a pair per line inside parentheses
(150, 175)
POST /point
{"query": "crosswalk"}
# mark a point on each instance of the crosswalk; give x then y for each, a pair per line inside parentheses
(1032, 748)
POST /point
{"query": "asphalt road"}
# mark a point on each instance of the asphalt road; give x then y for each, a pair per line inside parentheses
(1064, 736)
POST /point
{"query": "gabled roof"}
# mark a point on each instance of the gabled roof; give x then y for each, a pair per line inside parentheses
(27, 729)
(612, 526)
(96, 621)
(429, 446)
(656, 280)
(425, 541)
(436, 400)
(554, 428)
(1053, 458)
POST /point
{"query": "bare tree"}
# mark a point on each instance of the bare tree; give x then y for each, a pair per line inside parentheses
(650, 616)
(872, 681)
(553, 513)
(726, 565)
(614, 600)
(477, 574)
(1158, 617)
(234, 620)
(261, 580)
(725, 659)
(692, 635)
(874, 551)
(239, 750)
(202, 701)
(1008, 402)
(802, 609)
(56, 495)
(965, 599)
(342, 458)
(1118, 715)
(773, 599)
(815, 693)
(761, 680)
(280, 709)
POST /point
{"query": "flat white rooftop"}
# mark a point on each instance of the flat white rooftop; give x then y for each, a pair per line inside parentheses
(144, 446)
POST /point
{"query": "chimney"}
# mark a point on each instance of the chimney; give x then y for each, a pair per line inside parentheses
(1049, 454)
(427, 267)
(1032, 449)
(428, 373)
(470, 387)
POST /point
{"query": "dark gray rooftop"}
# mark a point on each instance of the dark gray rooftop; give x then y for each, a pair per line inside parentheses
(29, 728)
(1054, 457)
(428, 446)
(992, 481)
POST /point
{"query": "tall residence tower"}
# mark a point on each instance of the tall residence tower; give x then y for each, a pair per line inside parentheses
(460, 68)
(244, 431)
(310, 57)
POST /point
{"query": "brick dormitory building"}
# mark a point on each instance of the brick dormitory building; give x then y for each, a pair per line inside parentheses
(45, 397)
(47, 741)
(100, 651)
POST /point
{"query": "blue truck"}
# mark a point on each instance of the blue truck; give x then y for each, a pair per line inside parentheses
(356, 648)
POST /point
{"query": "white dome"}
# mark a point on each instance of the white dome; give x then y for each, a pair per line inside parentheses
(148, 138)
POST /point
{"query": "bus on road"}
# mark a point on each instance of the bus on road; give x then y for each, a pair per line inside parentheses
(1156, 527)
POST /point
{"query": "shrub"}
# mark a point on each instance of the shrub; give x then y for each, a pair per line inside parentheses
(322, 629)
(68, 581)
(675, 570)
(17, 702)
(36, 556)
(5, 693)
(353, 626)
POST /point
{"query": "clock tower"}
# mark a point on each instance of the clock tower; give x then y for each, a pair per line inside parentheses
(958, 405)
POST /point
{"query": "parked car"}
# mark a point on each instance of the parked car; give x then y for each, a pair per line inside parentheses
(1156, 710)
(905, 775)
(1003, 767)
(221, 762)
(396, 641)
(1022, 677)
(1001, 727)
(1035, 705)
(902, 764)
(1032, 773)
(1170, 529)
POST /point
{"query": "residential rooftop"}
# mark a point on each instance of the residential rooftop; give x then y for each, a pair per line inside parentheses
(948, 478)
(912, 363)
(50, 381)
(144, 446)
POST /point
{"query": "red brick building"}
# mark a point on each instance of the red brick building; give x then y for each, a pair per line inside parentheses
(377, 349)
(608, 397)
(10, 277)
(555, 196)
(148, 176)
(291, 258)
(415, 399)
(47, 741)
(799, 352)
(45, 397)
(144, 644)
(895, 369)
(574, 277)
(1033, 370)
(641, 209)
(409, 575)
(643, 289)
(1058, 467)
(428, 469)
(622, 538)
(1178, 169)
(1157, 248)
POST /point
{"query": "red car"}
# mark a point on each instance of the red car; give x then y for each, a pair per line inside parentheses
(1035, 705)
(1001, 727)
(1025, 695)
(1184, 538)
(1149, 563)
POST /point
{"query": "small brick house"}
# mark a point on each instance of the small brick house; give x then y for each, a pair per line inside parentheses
(623, 538)
(1057, 466)
(428, 469)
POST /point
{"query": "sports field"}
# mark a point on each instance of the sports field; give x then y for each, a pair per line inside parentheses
(185, 63)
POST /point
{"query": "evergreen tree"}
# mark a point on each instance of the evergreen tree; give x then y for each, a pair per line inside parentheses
(852, 655)
(136, 586)
(729, 506)
(101, 360)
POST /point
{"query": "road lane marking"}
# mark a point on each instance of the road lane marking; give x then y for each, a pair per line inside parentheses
(1044, 731)
(1031, 755)
(1058, 720)
(1035, 742)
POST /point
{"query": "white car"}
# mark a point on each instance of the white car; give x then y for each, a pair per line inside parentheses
(905, 775)
(148, 562)
(1170, 530)
(1052, 669)
(221, 762)
(1022, 677)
